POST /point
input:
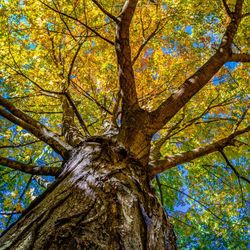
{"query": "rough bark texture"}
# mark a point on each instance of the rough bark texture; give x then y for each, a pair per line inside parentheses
(102, 200)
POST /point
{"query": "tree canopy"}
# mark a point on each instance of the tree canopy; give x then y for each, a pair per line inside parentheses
(87, 66)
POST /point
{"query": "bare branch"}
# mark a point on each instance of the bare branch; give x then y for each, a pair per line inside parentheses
(42, 182)
(177, 128)
(43, 112)
(238, 8)
(29, 169)
(156, 151)
(171, 161)
(43, 91)
(241, 118)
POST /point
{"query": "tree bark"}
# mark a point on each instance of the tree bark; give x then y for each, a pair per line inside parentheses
(101, 200)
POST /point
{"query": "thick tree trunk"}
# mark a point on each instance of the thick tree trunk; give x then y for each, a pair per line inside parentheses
(102, 200)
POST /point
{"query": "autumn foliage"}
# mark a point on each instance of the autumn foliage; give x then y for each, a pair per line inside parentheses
(169, 80)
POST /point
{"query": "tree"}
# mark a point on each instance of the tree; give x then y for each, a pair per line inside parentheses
(105, 136)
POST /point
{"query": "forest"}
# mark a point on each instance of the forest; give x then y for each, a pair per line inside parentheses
(124, 124)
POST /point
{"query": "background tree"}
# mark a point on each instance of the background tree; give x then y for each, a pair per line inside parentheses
(179, 102)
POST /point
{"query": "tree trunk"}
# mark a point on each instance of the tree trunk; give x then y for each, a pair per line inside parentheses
(102, 200)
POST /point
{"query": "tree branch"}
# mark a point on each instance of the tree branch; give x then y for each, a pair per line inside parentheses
(229, 12)
(71, 133)
(37, 129)
(171, 161)
(72, 64)
(89, 97)
(19, 200)
(239, 176)
(19, 145)
(199, 79)
(239, 58)
(245, 15)
(123, 52)
(29, 169)
(80, 22)
(196, 200)
(78, 115)
(158, 181)
(105, 11)
(145, 43)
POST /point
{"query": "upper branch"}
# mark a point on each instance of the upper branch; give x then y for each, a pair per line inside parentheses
(145, 42)
(29, 169)
(229, 12)
(79, 21)
(37, 129)
(233, 168)
(200, 78)
(123, 52)
(171, 161)
(105, 11)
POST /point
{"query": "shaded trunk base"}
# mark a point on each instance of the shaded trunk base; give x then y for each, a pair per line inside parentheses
(101, 201)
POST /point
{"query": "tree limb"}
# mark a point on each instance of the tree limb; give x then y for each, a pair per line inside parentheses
(105, 11)
(78, 115)
(19, 145)
(171, 161)
(229, 12)
(89, 97)
(123, 52)
(80, 22)
(71, 133)
(245, 15)
(169, 108)
(145, 43)
(239, 176)
(29, 169)
(158, 181)
(37, 129)
(239, 58)
(19, 200)
(196, 200)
